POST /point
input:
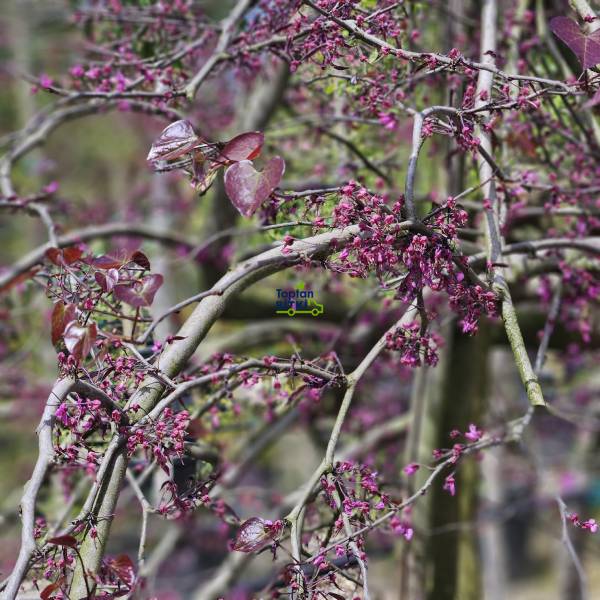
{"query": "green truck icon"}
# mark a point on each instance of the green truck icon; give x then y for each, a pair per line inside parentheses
(315, 311)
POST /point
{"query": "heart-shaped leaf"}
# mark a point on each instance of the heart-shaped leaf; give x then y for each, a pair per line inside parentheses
(79, 340)
(245, 146)
(585, 46)
(256, 533)
(109, 262)
(139, 258)
(62, 314)
(64, 540)
(47, 592)
(123, 568)
(64, 257)
(248, 188)
(139, 293)
(174, 141)
(108, 280)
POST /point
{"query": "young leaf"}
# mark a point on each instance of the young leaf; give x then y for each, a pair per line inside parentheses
(79, 340)
(248, 188)
(139, 293)
(139, 258)
(62, 314)
(245, 146)
(108, 262)
(256, 533)
(72, 254)
(274, 171)
(47, 592)
(585, 46)
(174, 141)
(108, 280)
(64, 540)
(123, 568)
(64, 257)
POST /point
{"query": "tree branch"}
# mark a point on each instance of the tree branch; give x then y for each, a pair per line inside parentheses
(59, 392)
(175, 358)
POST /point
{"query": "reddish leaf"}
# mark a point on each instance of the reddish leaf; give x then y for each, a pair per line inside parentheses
(79, 340)
(107, 281)
(64, 540)
(124, 569)
(248, 188)
(174, 141)
(72, 254)
(139, 293)
(54, 255)
(585, 46)
(58, 324)
(274, 171)
(64, 257)
(61, 315)
(139, 258)
(47, 592)
(108, 262)
(245, 146)
(256, 533)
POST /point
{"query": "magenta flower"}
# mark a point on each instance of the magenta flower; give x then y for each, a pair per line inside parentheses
(45, 81)
(450, 485)
(474, 434)
(411, 469)
(590, 525)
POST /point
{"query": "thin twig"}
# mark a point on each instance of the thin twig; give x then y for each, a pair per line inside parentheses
(59, 392)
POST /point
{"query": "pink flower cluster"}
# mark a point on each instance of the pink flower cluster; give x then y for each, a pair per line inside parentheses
(162, 439)
(413, 346)
(589, 525)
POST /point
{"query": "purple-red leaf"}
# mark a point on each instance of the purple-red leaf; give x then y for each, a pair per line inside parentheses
(245, 146)
(585, 46)
(64, 257)
(61, 315)
(47, 592)
(248, 188)
(108, 262)
(79, 340)
(139, 293)
(139, 258)
(64, 540)
(256, 533)
(108, 280)
(123, 568)
(174, 141)
(274, 171)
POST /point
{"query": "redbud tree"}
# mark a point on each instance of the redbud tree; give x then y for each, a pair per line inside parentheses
(342, 315)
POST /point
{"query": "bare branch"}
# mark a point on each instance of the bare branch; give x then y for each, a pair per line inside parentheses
(59, 392)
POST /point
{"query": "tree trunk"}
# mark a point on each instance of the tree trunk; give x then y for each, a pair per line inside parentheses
(452, 570)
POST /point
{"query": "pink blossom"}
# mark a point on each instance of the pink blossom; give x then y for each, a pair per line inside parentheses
(590, 525)
(411, 469)
(473, 434)
(51, 187)
(46, 81)
(450, 485)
